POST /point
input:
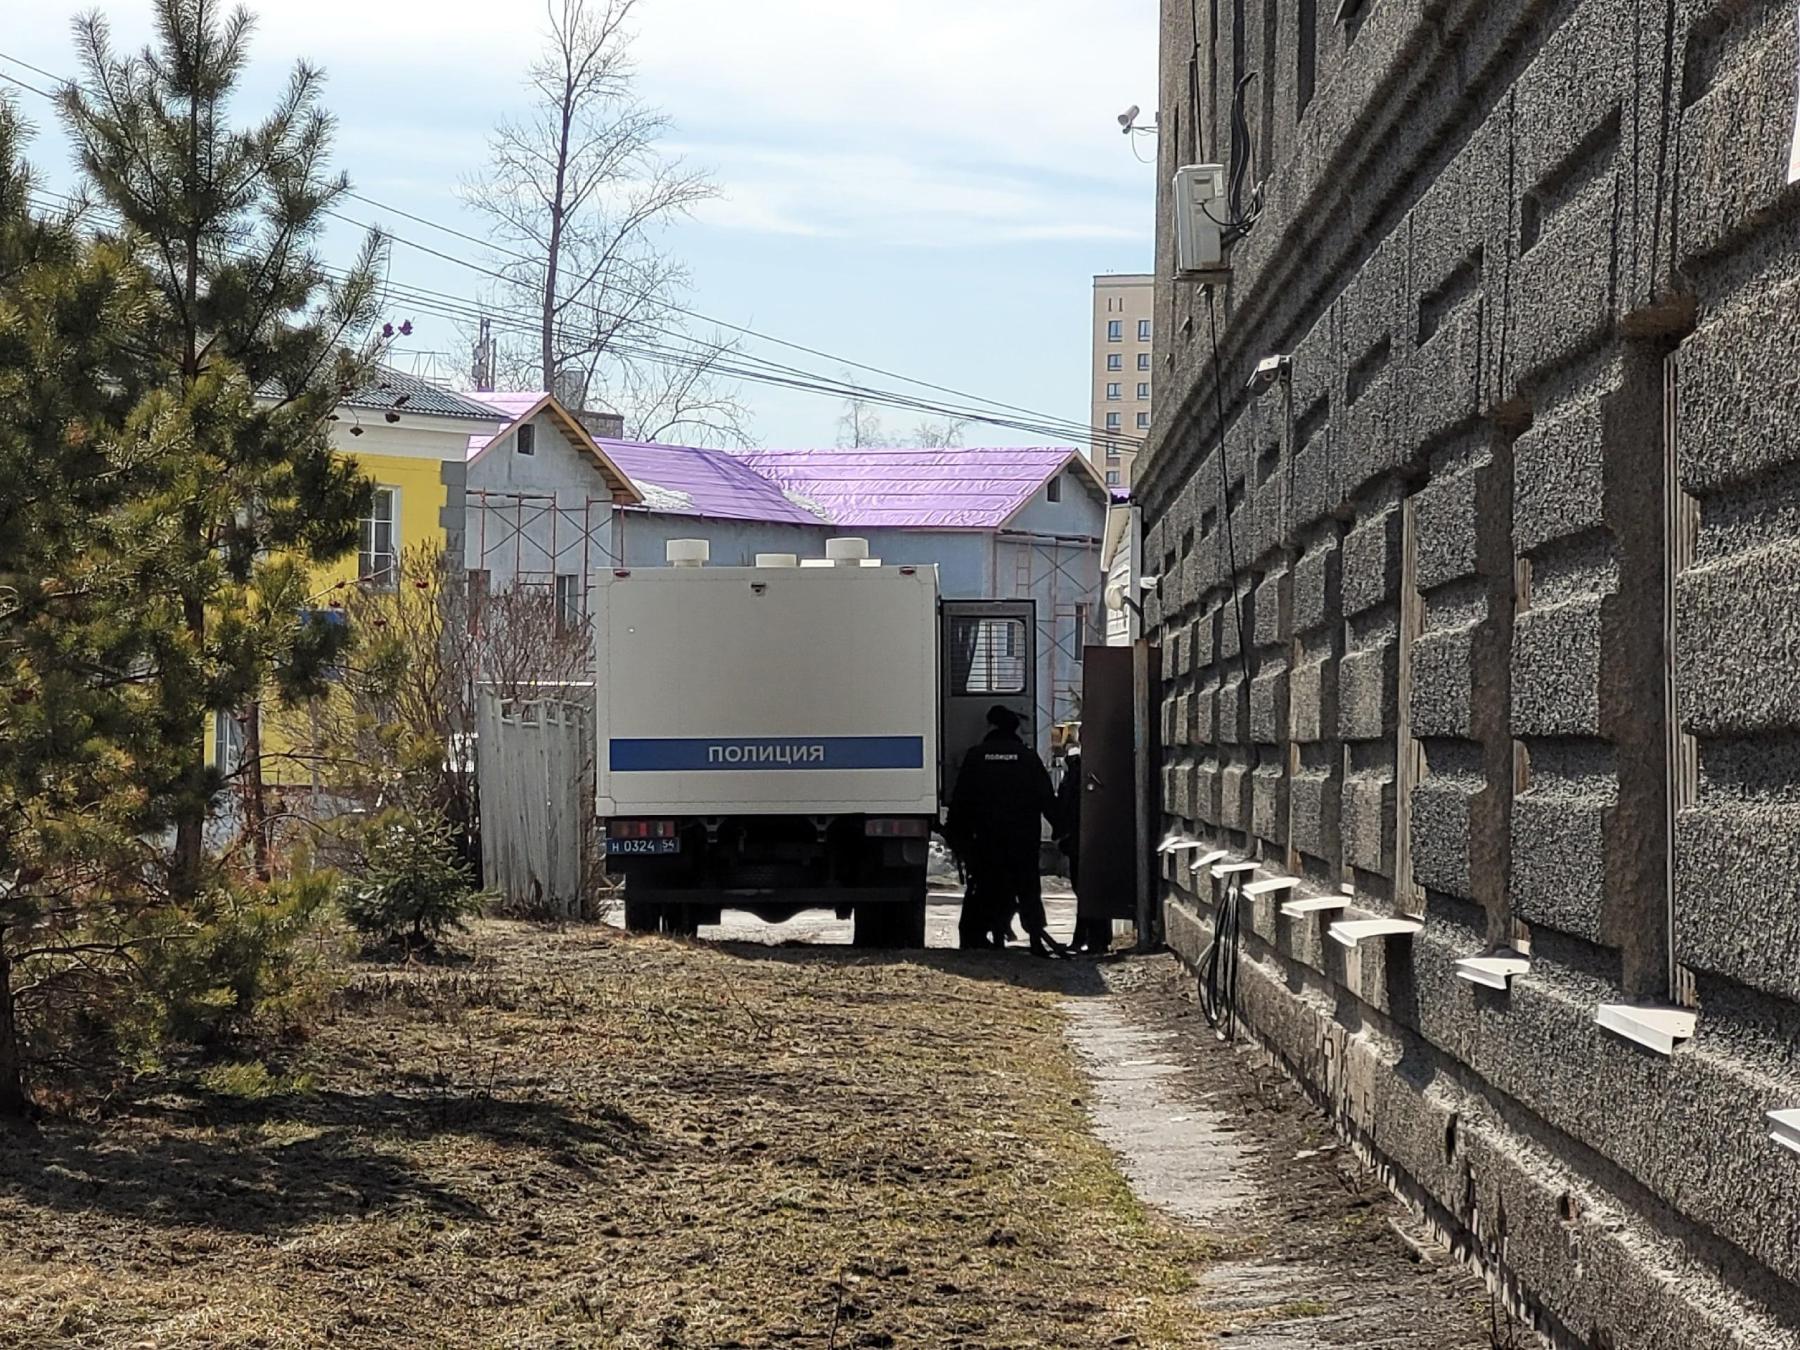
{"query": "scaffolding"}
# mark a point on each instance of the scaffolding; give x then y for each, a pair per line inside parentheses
(591, 532)
(1060, 573)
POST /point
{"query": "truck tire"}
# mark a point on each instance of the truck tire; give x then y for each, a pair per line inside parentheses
(680, 921)
(890, 927)
(641, 916)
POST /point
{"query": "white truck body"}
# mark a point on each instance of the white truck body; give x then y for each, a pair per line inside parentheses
(746, 691)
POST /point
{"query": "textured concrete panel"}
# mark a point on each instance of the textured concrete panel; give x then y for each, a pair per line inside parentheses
(1234, 796)
(1443, 692)
(1442, 833)
(1371, 562)
(1726, 431)
(1368, 824)
(1315, 592)
(1207, 791)
(1556, 669)
(1559, 477)
(1737, 878)
(1735, 138)
(1316, 808)
(1312, 701)
(1369, 692)
(1269, 803)
(1559, 861)
(1446, 530)
(1738, 659)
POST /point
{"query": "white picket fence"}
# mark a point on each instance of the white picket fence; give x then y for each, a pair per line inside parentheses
(535, 764)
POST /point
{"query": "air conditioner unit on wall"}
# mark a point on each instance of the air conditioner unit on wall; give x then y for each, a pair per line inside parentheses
(1200, 219)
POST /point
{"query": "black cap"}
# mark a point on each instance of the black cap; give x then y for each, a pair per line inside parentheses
(1003, 718)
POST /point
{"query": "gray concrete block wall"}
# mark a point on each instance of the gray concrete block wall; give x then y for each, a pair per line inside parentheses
(1460, 695)
(1500, 243)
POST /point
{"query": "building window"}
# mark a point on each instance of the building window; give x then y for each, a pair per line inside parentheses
(1143, 360)
(568, 602)
(526, 440)
(1112, 393)
(1112, 454)
(1115, 331)
(1143, 330)
(1143, 420)
(1143, 391)
(1114, 361)
(377, 561)
(1112, 421)
(228, 742)
(1112, 478)
(1053, 489)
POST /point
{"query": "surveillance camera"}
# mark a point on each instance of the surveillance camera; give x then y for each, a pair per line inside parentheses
(1268, 371)
(1129, 117)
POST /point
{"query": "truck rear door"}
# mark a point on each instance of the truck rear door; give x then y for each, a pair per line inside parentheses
(987, 654)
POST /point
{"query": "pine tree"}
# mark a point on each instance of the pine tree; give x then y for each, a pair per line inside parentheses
(241, 358)
(73, 640)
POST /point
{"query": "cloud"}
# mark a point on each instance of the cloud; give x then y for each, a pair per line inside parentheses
(889, 199)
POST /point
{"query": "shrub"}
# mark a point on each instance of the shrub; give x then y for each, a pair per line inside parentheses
(414, 887)
(240, 956)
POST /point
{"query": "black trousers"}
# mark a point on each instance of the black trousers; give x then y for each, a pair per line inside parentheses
(1003, 882)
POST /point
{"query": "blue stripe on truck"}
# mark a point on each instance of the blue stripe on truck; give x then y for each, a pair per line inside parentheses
(679, 755)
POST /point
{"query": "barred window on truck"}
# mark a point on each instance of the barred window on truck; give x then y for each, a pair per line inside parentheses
(987, 655)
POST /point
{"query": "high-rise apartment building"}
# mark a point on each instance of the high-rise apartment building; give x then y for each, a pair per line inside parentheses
(1122, 309)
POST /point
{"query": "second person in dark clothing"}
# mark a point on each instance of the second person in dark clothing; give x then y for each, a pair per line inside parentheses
(1002, 791)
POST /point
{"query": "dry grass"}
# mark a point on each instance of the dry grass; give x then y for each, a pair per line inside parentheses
(582, 1139)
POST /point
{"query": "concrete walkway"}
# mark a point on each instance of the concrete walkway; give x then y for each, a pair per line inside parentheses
(1314, 1254)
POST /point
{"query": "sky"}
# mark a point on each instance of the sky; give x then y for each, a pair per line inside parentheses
(927, 186)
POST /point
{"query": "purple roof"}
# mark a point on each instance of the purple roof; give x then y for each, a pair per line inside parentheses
(511, 405)
(969, 489)
(680, 480)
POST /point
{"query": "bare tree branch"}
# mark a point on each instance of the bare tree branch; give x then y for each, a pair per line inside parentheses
(579, 187)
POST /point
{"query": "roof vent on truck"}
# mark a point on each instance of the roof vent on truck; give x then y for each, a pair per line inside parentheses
(777, 560)
(688, 552)
(849, 552)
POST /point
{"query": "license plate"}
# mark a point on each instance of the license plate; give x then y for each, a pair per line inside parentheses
(623, 846)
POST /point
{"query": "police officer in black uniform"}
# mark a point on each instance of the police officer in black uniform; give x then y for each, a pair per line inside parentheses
(1001, 792)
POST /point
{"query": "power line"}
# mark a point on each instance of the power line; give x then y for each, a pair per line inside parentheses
(724, 360)
(1039, 417)
(14, 79)
(50, 75)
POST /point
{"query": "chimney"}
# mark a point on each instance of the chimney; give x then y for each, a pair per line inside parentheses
(603, 426)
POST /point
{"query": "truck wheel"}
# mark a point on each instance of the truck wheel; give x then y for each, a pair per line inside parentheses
(641, 916)
(680, 921)
(890, 927)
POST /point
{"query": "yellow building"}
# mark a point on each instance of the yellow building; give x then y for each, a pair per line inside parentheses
(411, 438)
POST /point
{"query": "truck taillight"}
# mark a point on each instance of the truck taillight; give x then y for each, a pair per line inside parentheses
(896, 827)
(640, 829)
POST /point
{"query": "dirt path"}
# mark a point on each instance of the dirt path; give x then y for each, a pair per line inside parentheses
(1312, 1253)
(580, 1138)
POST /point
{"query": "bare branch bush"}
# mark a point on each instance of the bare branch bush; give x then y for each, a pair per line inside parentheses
(397, 727)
